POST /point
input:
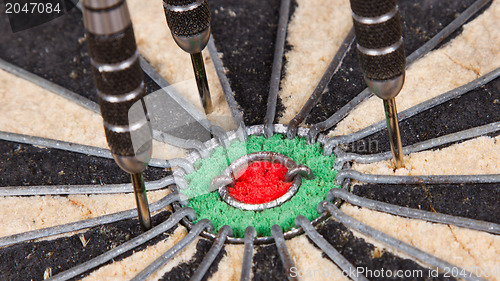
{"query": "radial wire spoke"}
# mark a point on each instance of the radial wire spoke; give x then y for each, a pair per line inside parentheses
(395, 243)
(447, 31)
(412, 213)
(272, 99)
(246, 264)
(203, 224)
(236, 111)
(336, 257)
(83, 189)
(82, 149)
(212, 253)
(286, 259)
(424, 179)
(48, 85)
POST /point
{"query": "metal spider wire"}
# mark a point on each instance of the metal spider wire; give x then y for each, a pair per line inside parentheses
(236, 111)
(209, 258)
(344, 176)
(431, 179)
(85, 149)
(274, 87)
(286, 258)
(320, 88)
(246, 265)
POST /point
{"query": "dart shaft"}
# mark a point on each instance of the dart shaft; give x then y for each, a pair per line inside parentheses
(391, 116)
(120, 91)
(201, 81)
(141, 200)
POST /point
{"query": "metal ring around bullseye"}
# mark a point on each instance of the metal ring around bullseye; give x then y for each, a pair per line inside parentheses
(233, 171)
(253, 130)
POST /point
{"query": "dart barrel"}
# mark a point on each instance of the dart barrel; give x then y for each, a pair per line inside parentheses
(119, 82)
(377, 25)
(189, 22)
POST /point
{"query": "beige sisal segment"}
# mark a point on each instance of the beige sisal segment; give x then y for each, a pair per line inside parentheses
(316, 31)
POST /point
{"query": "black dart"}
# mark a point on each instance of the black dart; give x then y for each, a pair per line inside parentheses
(380, 45)
(119, 81)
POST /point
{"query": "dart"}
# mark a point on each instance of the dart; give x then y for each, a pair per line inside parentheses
(381, 53)
(189, 23)
(118, 78)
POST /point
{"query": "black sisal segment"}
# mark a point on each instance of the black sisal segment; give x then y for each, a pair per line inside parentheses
(185, 270)
(267, 264)
(29, 260)
(479, 107)
(420, 21)
(245, 33)
(24, 164)
(475, 201)
(362, 254)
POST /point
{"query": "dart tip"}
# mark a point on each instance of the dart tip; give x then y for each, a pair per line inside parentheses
(391, 115)
(202, 82)
(142, 201)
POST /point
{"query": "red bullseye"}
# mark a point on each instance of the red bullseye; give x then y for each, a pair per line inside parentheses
(261, 182)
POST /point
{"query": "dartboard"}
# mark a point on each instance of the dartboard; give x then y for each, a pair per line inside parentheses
(68, 211)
